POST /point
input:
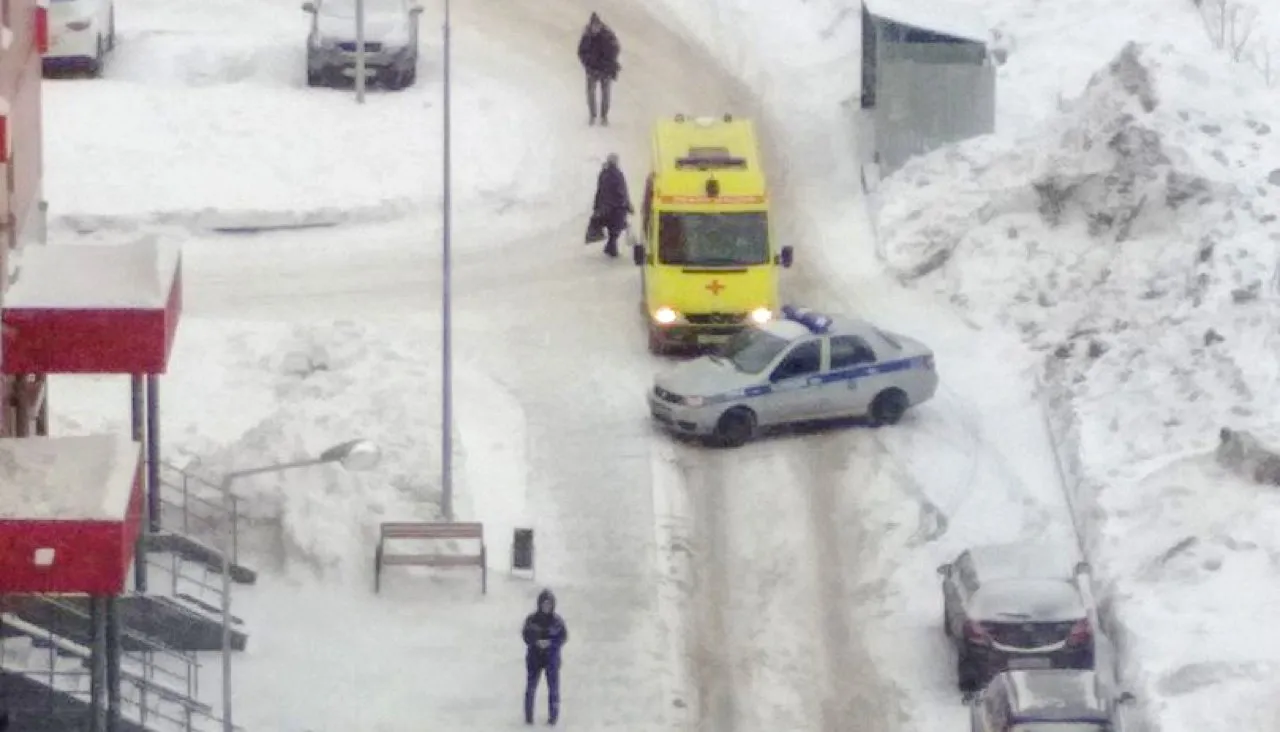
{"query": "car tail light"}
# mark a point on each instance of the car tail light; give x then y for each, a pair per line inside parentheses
(42, 28)
(976, 634)
(1080, 633)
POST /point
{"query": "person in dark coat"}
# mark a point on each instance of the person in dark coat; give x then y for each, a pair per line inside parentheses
(612, 203)
(598, 51)
(544, 635)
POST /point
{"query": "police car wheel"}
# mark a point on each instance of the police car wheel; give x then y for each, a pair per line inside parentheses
(735, 427)
(888, 407)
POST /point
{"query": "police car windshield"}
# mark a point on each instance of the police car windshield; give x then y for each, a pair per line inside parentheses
(714, 240)
(752, 350)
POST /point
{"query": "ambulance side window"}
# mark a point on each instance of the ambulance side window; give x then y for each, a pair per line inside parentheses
(646, 209)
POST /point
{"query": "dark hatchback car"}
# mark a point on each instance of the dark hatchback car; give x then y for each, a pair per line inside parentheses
(1045, 701)
(1015, 606)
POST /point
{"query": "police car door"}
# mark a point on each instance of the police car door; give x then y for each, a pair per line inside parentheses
(850, 388)
(795, 384)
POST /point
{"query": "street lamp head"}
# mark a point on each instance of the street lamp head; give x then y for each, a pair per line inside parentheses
(354, 455)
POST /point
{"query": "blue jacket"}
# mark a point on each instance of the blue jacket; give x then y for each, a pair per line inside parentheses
(544, 626)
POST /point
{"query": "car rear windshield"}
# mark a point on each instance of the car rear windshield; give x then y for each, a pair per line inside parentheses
(752, 350)
(713, 240)
(1058, 727)
(347, 8)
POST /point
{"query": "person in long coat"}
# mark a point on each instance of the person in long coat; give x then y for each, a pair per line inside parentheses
(544, 634)
(598, 51)
(612, 204)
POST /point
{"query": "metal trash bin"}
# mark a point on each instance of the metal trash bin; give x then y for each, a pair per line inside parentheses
(522, 553)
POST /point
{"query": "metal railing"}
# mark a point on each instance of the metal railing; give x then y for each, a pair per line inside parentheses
(66, 669)
(180, 670)
(197, 508)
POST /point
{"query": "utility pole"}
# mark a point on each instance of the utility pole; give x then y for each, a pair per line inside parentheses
(360, 59)
(446, 350)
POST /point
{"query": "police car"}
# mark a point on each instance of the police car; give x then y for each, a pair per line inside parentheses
(804, 366)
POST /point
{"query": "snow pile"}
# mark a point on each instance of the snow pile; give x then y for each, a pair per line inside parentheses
(242, 395)
(1131, 238)
(1245, 455)
(1133, 241)
(331, 385)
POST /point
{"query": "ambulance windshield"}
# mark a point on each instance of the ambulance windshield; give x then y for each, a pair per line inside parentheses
(713, 240)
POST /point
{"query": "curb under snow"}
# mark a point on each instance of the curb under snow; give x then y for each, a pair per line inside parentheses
(239, 221)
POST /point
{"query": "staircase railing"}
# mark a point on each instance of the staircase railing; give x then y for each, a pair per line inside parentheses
(155, 660)
(198, 508)
(150, 704)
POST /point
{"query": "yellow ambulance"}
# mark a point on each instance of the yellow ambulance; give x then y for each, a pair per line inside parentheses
(708, 260)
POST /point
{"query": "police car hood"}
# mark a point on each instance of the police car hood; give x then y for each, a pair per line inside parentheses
(704, 376)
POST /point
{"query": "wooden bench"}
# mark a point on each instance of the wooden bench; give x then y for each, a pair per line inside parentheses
(430, 531)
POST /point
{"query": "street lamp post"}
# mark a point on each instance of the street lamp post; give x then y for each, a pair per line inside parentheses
(353, 455)
(360, 57)
(446, 350)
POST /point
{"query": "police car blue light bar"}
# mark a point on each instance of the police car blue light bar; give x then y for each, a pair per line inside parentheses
(816, 322)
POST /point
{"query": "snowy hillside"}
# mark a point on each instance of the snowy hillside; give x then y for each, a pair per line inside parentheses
(1133, 239)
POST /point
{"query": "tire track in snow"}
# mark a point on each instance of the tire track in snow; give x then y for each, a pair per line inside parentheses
(712, 637)
(844, 551)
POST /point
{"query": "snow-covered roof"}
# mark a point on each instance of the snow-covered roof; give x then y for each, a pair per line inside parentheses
(1029, 560)
(1071, 692)
(939, 16)
(85, 478)
(1027, 600)
(131, 276)
(788, 329)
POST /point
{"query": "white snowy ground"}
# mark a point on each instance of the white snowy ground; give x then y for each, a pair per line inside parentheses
(1131, 239)
(787, 585)
(204, 120)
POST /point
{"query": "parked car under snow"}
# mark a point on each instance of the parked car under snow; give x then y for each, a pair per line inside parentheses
(1015, 606)
(390, 42)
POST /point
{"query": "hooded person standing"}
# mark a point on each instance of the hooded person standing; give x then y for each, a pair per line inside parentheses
(612, 204)
(544, 635)
(598, 51)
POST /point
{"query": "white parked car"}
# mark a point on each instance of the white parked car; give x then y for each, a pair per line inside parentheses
(81, 33)
(803, 367)
(390, 42)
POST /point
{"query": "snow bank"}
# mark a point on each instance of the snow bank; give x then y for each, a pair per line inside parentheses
(240, 395)
(1131, 240)
(333, 382)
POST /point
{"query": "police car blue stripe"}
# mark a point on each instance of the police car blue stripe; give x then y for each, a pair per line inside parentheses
(853, 374)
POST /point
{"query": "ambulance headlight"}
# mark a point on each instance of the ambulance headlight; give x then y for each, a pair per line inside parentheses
(665, 315)
(761, 315)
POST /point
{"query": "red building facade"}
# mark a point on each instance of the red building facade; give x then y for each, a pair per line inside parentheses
(71, 522)
(21, 195)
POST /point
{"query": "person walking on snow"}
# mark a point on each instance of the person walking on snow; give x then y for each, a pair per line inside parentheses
(544, 635)
(598, 51)
(612, 203)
